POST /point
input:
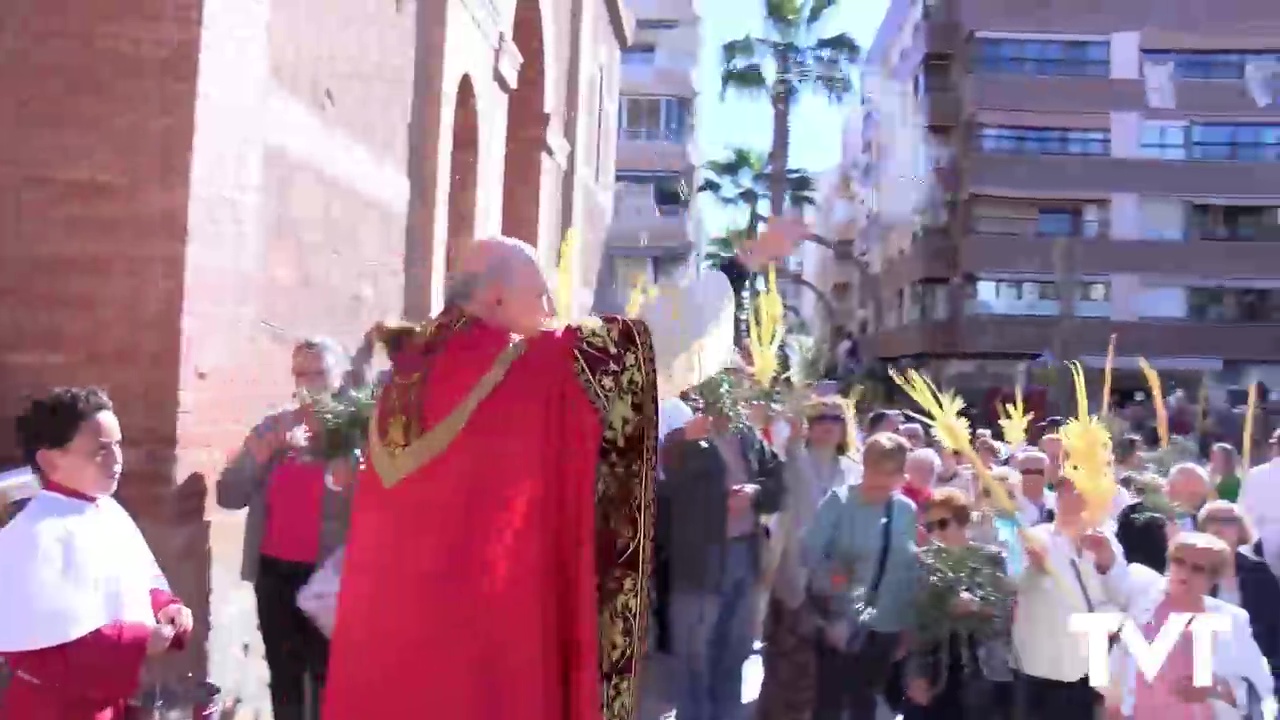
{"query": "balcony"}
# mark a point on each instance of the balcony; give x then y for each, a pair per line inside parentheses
(1010, 92)
(641, 227)
(943, 34)
(931, 255)
(655, 151)
(1028, 251)
(1021, 248)
(667, 80)
(1020, 336)
(1096, 177)
(943, 108)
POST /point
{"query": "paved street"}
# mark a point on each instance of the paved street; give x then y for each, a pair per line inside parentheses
(656, 705)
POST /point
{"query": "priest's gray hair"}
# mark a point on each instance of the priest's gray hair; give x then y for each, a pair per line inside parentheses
(461, 286)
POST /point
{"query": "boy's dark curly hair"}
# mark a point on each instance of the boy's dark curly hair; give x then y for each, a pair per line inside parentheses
(52, 421)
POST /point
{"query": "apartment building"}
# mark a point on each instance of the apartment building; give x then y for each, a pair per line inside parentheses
(840, 214)
(1080, 196)
(652, 231)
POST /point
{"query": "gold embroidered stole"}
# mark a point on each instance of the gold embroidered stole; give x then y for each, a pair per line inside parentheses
(394, 464)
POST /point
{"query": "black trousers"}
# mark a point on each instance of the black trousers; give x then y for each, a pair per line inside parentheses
(297, 652)
(1042, 699)
(849, 683)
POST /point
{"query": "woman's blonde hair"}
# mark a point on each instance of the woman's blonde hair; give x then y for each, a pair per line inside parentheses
(953, 501)
(1225, 508)
(825, 406)
(886, 451)
(1202, 541)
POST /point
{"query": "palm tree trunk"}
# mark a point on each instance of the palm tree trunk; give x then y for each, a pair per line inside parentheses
(779, 150)
(827, 306)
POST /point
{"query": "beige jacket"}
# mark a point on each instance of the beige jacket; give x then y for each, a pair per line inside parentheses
(806, 484)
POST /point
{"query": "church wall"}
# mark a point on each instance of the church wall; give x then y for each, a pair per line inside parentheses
(95, 116)
(184, 193)
(297, 226)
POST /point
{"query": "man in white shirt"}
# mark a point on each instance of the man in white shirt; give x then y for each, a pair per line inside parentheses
(1073, 569)
(1035, 501)
(1189, 487)
(1260, 498)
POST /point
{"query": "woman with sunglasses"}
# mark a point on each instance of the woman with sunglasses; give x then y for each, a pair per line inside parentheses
(986, 526)
(1246, 580)
(1196, 563)
(817, 461)
(966, 675)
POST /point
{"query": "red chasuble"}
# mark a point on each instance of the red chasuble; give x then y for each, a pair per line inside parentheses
(497, 567)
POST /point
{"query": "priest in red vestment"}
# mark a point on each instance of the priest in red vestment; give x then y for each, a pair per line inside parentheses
(83, 602)
(500, 550)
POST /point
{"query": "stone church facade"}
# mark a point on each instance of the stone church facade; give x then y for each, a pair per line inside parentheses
(186, 188)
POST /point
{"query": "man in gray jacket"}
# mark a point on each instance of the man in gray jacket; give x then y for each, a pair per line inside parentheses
(719, 479)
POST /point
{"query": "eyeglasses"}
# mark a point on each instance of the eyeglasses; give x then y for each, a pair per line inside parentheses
(826, 418)
(1032, 472)
(939, 525)
(1193, 568)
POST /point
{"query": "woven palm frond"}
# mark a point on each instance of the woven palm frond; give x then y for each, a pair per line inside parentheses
(1087, 456)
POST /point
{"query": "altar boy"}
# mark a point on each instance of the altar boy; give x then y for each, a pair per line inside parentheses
(84, 602)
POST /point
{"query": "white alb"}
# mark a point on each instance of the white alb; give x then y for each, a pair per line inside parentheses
(71, 566)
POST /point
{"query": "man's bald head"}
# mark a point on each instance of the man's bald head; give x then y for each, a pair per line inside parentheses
(499, 281)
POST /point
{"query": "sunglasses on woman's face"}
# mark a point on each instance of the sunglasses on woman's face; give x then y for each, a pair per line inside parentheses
(1193, 568)
(939, 525)
(827, 418)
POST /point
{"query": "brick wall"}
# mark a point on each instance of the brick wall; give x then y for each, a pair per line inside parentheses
(95, 113)
(187, 188)
(298, 211)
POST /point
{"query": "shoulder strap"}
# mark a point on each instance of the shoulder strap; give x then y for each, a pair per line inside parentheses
(886, 538)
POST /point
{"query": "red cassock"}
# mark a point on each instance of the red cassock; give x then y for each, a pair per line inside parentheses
(91, 678)
(498, 561)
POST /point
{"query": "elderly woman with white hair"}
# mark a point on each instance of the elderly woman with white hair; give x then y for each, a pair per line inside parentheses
(1241, 681)
(924, 465)
(299, 507)
(1189, 487)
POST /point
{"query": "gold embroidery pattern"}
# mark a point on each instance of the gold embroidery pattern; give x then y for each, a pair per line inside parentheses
(398, 415)
(615, 363)
(394, 464)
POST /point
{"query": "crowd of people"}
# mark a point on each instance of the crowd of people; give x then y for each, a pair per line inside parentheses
(876, 561)
(845, 523)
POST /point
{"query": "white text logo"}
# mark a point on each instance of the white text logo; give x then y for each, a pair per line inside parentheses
(1098, 628)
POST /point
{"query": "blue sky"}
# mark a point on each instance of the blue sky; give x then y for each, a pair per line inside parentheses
(746, 122)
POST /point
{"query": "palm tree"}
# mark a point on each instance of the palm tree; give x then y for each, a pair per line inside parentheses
(803, 58)
(742, 181)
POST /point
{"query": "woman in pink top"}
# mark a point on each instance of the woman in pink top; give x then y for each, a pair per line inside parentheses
(1195, 562)
(299, 507)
